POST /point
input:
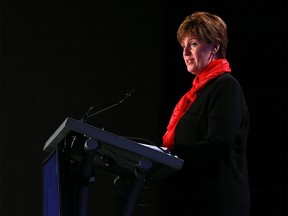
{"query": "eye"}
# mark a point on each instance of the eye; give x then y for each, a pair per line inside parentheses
(193, 44)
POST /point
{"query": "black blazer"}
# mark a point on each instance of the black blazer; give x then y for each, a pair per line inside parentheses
(211, 137)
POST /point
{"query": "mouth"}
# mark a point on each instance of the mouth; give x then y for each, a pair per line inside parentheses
(189, 61)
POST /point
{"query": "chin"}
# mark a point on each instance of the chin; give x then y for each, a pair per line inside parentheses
(193, 71)
(190, 70)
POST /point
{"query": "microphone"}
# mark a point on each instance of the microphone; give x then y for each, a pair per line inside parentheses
(88, 115)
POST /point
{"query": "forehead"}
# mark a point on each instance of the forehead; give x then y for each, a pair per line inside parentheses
(189, 38)
(187, 33)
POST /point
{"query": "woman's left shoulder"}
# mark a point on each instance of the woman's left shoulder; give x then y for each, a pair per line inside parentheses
(227, 76)
(227, 79)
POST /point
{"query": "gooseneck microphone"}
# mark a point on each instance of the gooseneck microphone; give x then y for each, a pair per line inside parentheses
(88, 115)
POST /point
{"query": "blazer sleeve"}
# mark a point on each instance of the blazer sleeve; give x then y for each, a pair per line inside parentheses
(225, 109)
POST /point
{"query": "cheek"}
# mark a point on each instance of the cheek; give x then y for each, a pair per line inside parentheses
(203, 52)
(202, 58)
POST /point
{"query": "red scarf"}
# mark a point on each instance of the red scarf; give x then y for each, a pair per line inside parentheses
(211, 71)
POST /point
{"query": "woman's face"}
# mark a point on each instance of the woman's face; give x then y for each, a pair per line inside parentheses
(197, 54)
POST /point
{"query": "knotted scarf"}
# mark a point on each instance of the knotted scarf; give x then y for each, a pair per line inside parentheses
(211, 71)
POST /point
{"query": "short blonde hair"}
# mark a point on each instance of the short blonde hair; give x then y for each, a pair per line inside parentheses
(206, 26)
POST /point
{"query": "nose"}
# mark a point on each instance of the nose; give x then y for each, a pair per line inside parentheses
(186, 51)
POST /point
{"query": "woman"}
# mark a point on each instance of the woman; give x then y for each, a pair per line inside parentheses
(208, 128)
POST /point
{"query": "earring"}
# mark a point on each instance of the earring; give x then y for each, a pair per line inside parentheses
(214, 50)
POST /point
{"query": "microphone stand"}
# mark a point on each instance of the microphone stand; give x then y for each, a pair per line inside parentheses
(87, 116)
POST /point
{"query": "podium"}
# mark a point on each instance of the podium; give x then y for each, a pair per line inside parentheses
(84, 149)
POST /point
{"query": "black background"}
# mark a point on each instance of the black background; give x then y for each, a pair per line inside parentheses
(58, 58)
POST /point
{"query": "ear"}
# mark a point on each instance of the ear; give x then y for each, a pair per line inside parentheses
(216, 48)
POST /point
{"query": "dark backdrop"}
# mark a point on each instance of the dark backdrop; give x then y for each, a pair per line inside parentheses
(59, 58)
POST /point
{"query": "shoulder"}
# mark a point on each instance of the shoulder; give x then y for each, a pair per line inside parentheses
(226, 86)
(227, 77)
(227, 80)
